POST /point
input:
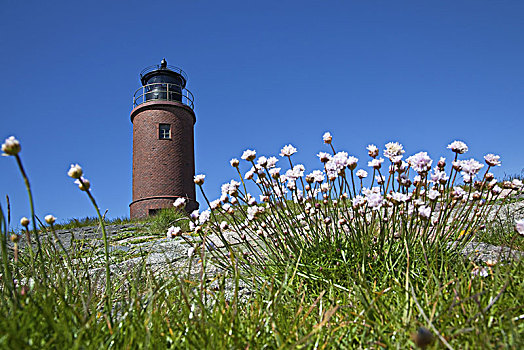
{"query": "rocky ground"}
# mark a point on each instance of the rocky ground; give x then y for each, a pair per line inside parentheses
(133, 244)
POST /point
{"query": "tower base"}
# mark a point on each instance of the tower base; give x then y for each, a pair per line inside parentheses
(143, 208)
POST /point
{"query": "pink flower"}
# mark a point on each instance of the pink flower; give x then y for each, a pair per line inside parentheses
(458, 147)
(519, 226)
(420, 162)
(394, 151)
(470, 168)
(424, 212)
(492, 159)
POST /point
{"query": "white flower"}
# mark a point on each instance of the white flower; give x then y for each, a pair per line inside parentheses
(458, 192)
(262, 161)
(11, 146)
(179, 203)
(234, 162)
(372, 150)
(519, 226)
(433, 194)
(250, 199)
(271, 162)
(214, 204)
(24, 221)
(194, 215)
(361, 173)
(458, 147)
(75, 171)
(393, 151)
(324, 187)
(83, 184)
(373, 197)
(352, 162)
(517, 183)
(287, 151)
(358, 201)
(50, 219)
(324, 157)
(397, 197)
(470, 168)
(327, 138)
(482, 272)
(173, 231)
(492, 159)
(204, 216)
(251, 213)
(420, 162)
(249, 174)
(190, 252)
(275, 172)
(380, 179)
(224, 225)
(230, 188)
(439, 176)
(318, 176)
(496, 190)
(199, 179)
(424, 211)
(375, 163)
(249, 155)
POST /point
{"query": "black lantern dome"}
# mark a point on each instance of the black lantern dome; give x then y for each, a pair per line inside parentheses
(163, 82)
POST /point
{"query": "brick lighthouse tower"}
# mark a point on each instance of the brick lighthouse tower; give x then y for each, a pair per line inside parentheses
(163, 151)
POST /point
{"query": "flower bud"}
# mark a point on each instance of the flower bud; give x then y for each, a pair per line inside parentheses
(24, 221)
(50, 219)
(11, 146)
(75, 171)
(83, 184)
(327, 138)
(15, 238)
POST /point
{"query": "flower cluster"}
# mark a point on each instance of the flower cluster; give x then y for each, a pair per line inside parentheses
(407, 198)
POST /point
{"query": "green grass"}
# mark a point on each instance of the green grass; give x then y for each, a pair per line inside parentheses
(383, 278)
(89, 221)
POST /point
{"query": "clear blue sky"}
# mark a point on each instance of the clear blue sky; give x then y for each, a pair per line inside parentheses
(264, 74)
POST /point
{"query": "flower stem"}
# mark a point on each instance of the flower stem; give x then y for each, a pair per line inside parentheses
(108, 290)
(33, 218)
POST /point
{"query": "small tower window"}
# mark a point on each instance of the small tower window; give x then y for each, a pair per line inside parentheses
(164, 131)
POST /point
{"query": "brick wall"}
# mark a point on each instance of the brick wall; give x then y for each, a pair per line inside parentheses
(162, 169)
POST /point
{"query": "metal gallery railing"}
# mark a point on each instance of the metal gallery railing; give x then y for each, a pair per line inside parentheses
(163, 92)
(160, 67)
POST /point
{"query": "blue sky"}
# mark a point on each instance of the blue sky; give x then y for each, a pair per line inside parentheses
(264, 74)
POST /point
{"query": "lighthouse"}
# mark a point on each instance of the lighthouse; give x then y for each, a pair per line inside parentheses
(163, 143)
